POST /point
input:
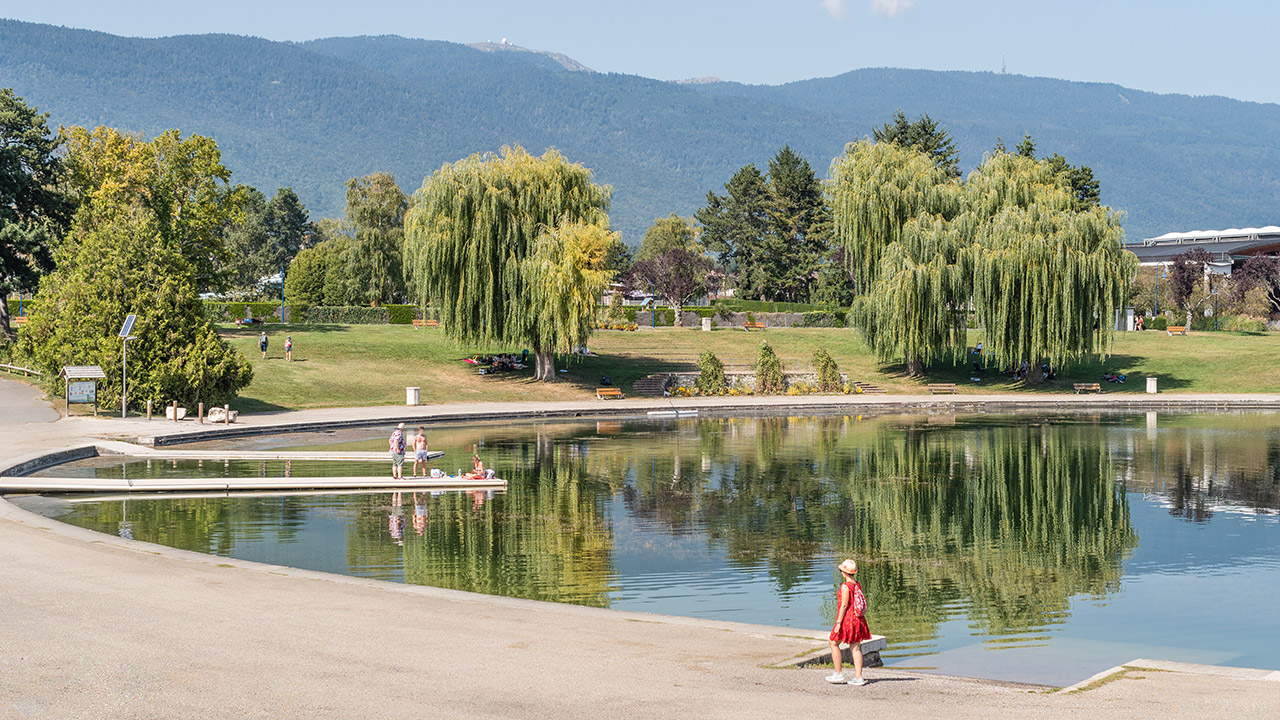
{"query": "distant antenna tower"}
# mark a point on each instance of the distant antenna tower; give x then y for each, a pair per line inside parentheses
(1003, 68)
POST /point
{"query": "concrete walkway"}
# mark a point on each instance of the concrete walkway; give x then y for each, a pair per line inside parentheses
(98, 626)
(22, 403)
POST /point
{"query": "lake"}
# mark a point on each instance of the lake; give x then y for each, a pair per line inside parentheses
(1031, 548)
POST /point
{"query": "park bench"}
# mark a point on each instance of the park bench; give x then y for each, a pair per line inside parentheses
(1095, 387)
(935, 388)
(749, 326)
(21, 320)
(608, 392)
(1177, 329)
(419, 322)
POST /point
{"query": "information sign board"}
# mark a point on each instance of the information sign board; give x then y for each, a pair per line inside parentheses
(82, 392)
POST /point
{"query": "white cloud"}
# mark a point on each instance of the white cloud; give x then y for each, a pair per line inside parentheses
(835, 8)
(890, 8)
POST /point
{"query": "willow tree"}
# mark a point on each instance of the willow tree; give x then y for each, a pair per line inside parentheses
(472, 249)
(1047, 277)
(916, 309)
(874, 191)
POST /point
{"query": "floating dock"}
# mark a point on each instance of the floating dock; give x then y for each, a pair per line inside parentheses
(44, 484)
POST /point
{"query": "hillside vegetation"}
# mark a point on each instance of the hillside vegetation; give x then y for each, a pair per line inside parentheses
(314, 114)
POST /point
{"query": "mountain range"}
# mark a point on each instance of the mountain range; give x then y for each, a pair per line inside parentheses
(311, 115)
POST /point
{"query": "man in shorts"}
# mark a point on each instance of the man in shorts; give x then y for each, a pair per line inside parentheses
(420, 451)
(396, 446)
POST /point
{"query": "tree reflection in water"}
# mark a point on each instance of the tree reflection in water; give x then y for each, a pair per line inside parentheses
(1001, 521)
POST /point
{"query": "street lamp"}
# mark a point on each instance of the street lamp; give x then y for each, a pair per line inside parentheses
(125, 337)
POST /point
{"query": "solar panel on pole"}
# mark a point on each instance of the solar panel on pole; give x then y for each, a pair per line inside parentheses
(128, 325)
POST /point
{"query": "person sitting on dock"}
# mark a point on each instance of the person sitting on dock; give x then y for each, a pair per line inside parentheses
(477, 471)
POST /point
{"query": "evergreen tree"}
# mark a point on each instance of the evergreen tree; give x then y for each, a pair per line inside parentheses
(244, 237)
(288, 229)
(924, 135)
(736, 226)
(801, 228)
(34, 207)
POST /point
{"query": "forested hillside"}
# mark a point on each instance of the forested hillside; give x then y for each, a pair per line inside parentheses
(311, 115)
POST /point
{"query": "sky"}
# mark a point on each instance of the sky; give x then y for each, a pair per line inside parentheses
(1168, 46)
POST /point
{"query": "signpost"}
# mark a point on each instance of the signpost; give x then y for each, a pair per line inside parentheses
(125, 337)
(81, 385)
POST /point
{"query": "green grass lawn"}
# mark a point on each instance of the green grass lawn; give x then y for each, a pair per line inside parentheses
(352, 365)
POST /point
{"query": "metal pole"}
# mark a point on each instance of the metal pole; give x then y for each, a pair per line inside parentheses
(124, 378)
(281, 294)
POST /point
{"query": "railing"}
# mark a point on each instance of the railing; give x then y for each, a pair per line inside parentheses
(19, 369)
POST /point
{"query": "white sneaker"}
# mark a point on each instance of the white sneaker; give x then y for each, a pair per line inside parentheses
(857, 681)
(836, 678)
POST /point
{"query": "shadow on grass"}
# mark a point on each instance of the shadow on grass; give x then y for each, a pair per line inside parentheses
(1089, 371)
(254, 405)
(230, 330)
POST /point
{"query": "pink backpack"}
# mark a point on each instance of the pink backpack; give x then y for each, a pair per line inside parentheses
(859, 601)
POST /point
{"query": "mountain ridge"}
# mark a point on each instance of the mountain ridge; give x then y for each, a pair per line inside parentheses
(312, 114)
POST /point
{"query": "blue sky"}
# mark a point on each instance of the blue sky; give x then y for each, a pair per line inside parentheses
(1195, 48)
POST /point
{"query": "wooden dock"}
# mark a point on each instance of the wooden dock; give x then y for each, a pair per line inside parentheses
(44, 484)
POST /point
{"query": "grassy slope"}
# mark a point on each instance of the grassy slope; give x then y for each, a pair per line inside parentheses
(371, 365)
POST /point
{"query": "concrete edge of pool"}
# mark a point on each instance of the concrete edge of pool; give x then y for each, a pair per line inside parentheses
(1184, 682)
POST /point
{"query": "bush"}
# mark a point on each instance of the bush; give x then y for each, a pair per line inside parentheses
(769, 378)
(711, 375)
(402, 314)
(1159, 323)
(1243, 323)
(346, 315)
(827, 370)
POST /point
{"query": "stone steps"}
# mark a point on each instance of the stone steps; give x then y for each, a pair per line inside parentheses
(650, 386)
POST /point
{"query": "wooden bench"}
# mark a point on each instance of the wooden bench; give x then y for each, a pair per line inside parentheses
(1177, 329)
(1095, 387)
(418, 322)
(21, 320)
(609, 392)
(942, 388)
(753, 326)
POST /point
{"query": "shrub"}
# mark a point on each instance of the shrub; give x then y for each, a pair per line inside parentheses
(1159, 323)
(711, 375)
(827, 370)
(769, 378)
(346, 315)
(1243, 323)
(615, 306)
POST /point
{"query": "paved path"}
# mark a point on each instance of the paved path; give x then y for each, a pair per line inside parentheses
(97, 626)
(22, 403)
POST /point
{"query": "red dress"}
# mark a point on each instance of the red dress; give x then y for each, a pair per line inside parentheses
(854, 628)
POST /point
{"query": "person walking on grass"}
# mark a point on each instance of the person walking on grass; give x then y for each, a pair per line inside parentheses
(420, 452)
(395, 445)
(262, 344)
(288, 348)
(851, 626)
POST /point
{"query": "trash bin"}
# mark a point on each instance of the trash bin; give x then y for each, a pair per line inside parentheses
(1151, 386)
(412, 396)
(706, 324)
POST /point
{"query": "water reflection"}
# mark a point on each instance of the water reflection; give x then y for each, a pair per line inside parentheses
(1014, 526)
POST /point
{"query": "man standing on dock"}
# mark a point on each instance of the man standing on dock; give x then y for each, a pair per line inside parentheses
(396, 446)
(420, 451)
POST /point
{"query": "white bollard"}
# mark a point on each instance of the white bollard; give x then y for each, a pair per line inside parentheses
(412, 396)
(1151, 386)
(706, 324)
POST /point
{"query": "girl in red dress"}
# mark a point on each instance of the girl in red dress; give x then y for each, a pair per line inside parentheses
(851, 626)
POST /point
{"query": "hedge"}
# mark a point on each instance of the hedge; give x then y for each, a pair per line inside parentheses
(836, 318)
(402, 314)
(346, 315)
(232, 311)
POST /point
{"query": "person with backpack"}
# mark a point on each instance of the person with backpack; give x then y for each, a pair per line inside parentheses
(395, 445)
(851, 625)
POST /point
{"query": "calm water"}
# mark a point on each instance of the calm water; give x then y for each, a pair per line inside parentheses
(1040, 549)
